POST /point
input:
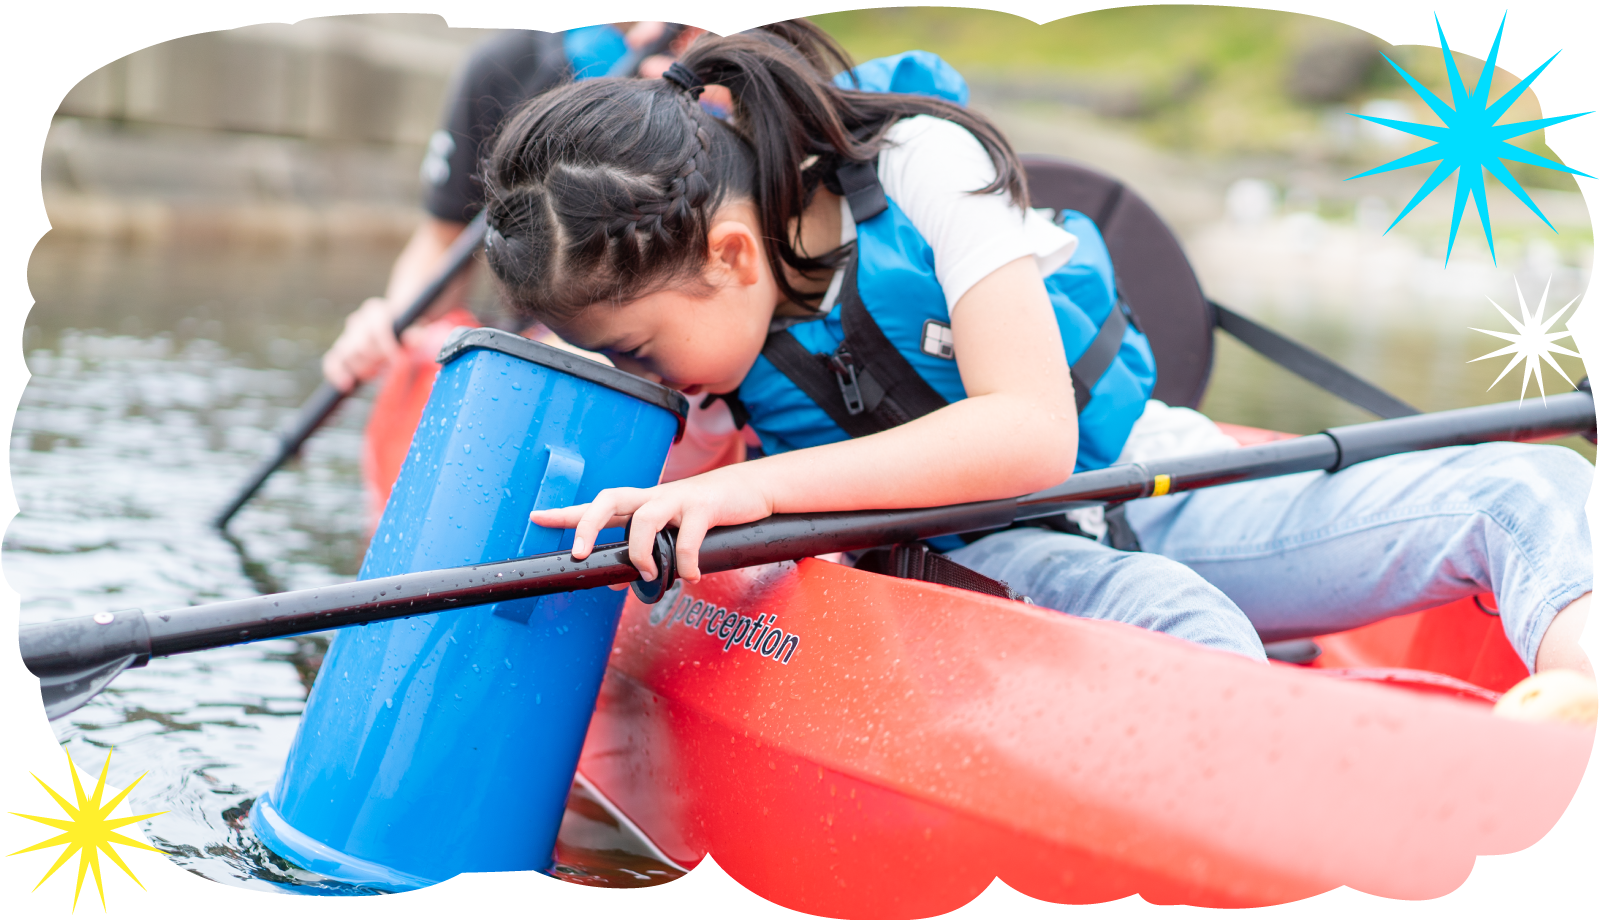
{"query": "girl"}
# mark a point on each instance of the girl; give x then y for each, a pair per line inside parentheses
(800, 256)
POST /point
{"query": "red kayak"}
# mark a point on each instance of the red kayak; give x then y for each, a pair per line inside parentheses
(876, 747)
(918, 741)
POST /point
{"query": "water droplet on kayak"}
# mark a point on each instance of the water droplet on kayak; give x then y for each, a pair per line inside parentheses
(508, 667)
(389, 702)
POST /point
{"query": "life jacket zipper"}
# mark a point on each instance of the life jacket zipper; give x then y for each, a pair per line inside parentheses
(844, 368)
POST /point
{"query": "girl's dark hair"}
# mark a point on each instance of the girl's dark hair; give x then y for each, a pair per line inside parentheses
(602, 191)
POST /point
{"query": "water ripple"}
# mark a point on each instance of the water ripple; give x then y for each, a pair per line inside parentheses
(125, 444)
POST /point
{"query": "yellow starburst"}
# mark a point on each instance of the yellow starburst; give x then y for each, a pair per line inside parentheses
(88, 830)
(1532, 343)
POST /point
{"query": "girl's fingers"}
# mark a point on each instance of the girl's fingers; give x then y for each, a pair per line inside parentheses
(691, 533)
(559, 518)
(596, 515)
(568, 518)
(649, 512)
(647, 522)
(610, 508)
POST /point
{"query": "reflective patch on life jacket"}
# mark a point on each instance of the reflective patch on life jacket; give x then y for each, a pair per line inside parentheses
(938, 340)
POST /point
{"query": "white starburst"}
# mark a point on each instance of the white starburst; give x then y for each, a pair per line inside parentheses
(1533, 342)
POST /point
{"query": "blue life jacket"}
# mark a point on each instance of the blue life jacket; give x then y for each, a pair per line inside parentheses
(882, 355)
(593, 50)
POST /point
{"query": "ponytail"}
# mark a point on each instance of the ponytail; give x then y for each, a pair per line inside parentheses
(603, 191)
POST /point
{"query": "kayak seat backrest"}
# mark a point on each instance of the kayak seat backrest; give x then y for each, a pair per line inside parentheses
(1153, 274)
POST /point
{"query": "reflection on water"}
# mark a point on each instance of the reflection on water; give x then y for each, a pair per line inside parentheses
(1427, 367)
(1383, 306)
(158, 377)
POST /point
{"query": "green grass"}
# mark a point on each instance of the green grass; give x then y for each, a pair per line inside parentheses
(1148, 42)
(1208, 80)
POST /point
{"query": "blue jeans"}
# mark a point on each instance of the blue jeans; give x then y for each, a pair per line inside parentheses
(1317, 553)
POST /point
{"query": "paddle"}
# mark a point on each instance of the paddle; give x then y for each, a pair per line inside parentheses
(76, 658)
(327, 397)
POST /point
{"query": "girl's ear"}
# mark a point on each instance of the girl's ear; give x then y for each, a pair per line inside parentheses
(736, 254)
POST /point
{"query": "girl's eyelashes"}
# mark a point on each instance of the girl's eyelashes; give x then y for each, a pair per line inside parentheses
(630, 356)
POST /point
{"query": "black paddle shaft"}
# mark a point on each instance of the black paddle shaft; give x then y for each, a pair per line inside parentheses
(1331, 450)
(328, 397)
(87, 652)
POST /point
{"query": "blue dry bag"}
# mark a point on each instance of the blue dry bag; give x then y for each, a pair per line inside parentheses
(447, 743)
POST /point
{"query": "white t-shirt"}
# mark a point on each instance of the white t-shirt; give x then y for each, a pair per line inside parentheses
(930, 169)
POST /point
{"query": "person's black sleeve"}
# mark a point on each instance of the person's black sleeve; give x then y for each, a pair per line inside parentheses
(498, 76)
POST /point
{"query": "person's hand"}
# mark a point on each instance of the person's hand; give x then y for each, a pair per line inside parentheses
(725, 496)
(640, 34)
(716, 98)
(363, 347)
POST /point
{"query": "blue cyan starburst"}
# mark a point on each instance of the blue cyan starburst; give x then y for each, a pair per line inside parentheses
(1469, 140)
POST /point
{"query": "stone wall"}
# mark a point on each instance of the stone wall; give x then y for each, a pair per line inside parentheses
(377, 79)
(288, 133)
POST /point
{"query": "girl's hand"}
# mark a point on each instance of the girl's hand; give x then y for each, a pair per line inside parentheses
(729, 495)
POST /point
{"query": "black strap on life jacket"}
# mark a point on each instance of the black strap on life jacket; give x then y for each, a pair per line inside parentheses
(867, 385)
(858, 183)
(1097, 358)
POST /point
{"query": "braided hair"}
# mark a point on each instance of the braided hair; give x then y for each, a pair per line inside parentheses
(603, 191)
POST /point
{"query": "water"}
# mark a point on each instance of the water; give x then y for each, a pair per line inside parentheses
(1382, 306)
(158, 378)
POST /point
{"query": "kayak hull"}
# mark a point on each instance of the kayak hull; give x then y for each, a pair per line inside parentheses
(921, 741)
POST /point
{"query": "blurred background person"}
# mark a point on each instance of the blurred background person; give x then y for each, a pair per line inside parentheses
(500, 74)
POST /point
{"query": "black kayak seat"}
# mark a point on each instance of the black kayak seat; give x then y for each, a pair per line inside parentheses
(1155, 278)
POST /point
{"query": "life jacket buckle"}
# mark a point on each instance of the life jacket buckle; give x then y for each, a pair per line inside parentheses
(844, 368)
